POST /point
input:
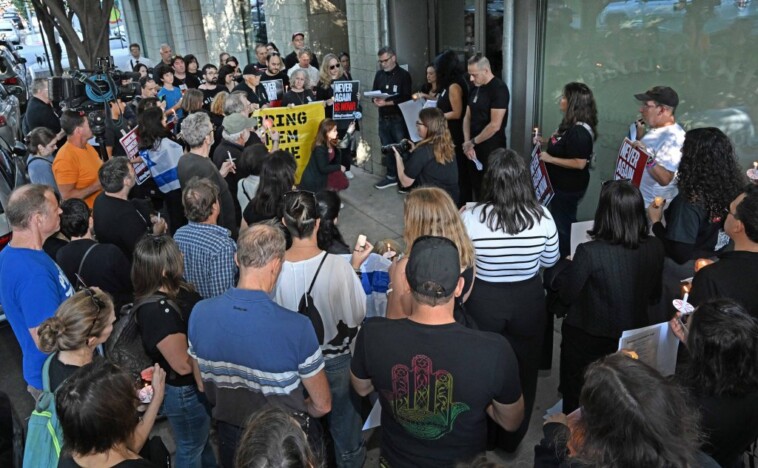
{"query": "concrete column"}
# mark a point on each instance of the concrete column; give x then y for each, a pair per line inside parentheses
(177, 27)
(155, 27)
(223, 30)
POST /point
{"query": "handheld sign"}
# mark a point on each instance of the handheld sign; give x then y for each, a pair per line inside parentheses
(345, 99)
(543, 189)
(130, 144)
(630, 164)
(274, 91)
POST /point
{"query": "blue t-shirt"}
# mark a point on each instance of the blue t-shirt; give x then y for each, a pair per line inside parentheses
(32, 286)
(172, 97)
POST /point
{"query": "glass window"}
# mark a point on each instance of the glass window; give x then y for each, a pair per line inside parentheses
(701, 48)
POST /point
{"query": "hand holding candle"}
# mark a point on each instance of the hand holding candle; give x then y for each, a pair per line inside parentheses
(659, 201)
(702, 262)
(681, 305)
(753, 173)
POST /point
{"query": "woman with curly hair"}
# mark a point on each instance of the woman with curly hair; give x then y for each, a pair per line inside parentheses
(568, 155)
(332, 72)
(432, 160)
(631, 417)
(709, 178)
(722, 375)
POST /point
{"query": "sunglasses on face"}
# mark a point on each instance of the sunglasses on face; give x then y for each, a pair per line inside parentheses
(332, 67)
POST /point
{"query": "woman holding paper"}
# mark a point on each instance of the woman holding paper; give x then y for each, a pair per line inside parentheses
(325, 159)
(432, 160)
(568, 156)
(609, 284)
(332, 72)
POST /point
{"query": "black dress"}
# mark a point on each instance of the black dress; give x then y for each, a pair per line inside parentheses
(456, 132)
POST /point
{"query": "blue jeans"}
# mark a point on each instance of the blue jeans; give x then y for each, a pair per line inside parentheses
(345, 422)
(563, 207)
(190, 422)
(391, 130)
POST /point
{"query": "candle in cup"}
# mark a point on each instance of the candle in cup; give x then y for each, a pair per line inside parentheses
(686, 292)
(658, 202)
(361, 241)
(755, 165)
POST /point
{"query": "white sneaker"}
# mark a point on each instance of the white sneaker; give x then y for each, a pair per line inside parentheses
(349, 174)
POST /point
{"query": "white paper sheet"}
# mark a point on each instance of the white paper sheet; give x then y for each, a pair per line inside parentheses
(656, 345)
(579, 234)
(410, 110)
(378, 95)
(374, 417)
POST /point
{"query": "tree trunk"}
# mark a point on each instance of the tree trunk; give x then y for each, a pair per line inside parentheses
(48, 29)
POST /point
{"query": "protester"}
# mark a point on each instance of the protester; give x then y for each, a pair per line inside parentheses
(148, 89)
(451, 101)
(432, 160)
(568, 156)
(299, 92)
(277, 178)
(304, 58)
(339, 298)
(222, 58)
(171, 95)
(207, 249)
(161, 153)
(662, 141)
(298, 45)
(226, 78)
(97, 410)
(623, 396)
(260, 55)
(166, 54)
(77, 162)
(99, 265)
(274, 438)
(42, 143)
(610, 284)
(722, 373)
(429, 211)
(118, 220)
(429, 90)
(40, 111)
(237, 131)
(217, 110)
(251, 85)
(198, 134)
(274, 70)
(193, 67)
(250, 163)
(513, 236)
(344, 58)
(485, 119)
(275, 368)
(166, 302)
(210, 87)
(192, 102)
(135, 58)
(142, 70)
(326, 155)
(32, 286)
(421, 361)
(182, 79)
(329, 237)
(391, 79)
(734, 275)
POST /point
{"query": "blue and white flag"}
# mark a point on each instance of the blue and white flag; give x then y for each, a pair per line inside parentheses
(162, 163)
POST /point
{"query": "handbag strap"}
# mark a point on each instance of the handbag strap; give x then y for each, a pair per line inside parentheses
(317, 271)
(81, 263)
(46, 372)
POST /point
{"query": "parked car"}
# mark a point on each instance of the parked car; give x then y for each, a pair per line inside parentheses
(15, 75)
(9, 32)
(13, 173)
(13, 16)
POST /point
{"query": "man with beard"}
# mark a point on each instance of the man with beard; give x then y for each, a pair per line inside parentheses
(209, 87)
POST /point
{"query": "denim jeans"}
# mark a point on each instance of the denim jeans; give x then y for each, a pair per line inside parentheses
(345, 422)
(190, 422)
(391, 130)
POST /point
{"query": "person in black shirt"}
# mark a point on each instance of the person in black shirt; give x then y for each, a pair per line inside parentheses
(251, 85)
(182, 79)
(261, 52)
(568, 156)
(299, 92)
(486, 117)
(298, 44)
(40, 111)
(274, 72)
(393, 80)
(210, 87)
(237, 130)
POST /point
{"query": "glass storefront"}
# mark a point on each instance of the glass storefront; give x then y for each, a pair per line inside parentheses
(701, 48)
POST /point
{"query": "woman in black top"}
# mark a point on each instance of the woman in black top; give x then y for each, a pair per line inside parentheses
(329, 237)
(430, 89)
(722, 375)
(277, 178)
(432, 160)
(166, 302)
(451, 101)
(226, 78)
(300, 90)
(610, 284)
(568, 156)
(325, 156)
(97, 410)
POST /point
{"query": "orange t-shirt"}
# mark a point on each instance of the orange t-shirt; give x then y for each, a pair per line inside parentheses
(77, 166)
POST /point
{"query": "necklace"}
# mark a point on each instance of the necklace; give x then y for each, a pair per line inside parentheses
(476, 98)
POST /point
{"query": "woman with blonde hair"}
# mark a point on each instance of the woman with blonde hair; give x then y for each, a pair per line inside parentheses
(332, 72)
(429, 211)
(432, 160)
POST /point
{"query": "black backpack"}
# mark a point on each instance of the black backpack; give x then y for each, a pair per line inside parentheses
(308, 308)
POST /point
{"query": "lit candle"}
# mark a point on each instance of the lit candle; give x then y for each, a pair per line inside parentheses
(755, 165)
(361, 241)
(686, 292)
(658, 202)
(702, 262)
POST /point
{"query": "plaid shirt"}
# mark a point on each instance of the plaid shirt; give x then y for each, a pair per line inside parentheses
(208, 257)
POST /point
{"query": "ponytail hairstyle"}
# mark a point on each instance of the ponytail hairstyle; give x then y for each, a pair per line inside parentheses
(84, 315)
(329, 209)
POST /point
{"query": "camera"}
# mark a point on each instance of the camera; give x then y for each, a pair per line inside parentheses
(402, 147)
(86, 90)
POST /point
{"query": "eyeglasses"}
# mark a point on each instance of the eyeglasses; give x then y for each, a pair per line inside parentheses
(332, 67)
(385, 60)
(100, 305)
(650, 106)
(420, 124)
(727, 213)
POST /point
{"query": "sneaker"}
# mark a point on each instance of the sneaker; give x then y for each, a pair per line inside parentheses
(386, 183)
(349, 174)
(403, 190)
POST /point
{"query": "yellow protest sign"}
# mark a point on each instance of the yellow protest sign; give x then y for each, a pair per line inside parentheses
(297, 127)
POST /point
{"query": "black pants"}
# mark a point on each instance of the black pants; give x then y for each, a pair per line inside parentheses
(516, 311)
(579, 349)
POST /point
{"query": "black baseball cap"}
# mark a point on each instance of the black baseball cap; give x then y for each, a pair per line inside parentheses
(294, 35)
(251, 69)
(433, 267)
(660, 94)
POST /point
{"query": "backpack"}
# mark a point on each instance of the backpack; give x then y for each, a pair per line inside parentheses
(11, 434)
(308, 308)
(44, 438)
(124, 347)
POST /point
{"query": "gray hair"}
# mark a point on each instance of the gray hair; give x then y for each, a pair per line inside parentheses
(195, 128)
(233, 137)
(300, 71)
(260, 244)
(387, 50)
(24, 202)
(480, 61)
(235, 103)
(112, 174)
(164, 46)
(38, 85)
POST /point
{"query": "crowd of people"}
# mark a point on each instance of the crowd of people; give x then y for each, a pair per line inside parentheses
(251, 305)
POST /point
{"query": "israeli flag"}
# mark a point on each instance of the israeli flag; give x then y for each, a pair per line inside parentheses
(162, 163)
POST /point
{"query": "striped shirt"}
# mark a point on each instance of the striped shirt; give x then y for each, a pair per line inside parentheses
(506, 258)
